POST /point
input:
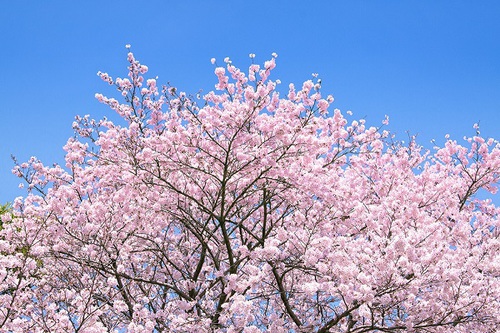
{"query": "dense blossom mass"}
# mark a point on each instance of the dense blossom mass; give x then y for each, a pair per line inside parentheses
(248, 209)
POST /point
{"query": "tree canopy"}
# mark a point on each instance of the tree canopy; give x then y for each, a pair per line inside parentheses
(250, 209)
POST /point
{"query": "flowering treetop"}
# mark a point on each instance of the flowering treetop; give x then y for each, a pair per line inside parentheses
(250, 210)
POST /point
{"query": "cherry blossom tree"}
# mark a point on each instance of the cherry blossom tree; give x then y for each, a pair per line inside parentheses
(247, 210)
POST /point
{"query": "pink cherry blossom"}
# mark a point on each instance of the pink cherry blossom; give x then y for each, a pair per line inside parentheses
(256, 210)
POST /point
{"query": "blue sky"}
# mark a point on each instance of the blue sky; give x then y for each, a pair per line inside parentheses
(432, 66)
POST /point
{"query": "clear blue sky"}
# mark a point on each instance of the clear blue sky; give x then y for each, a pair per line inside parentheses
(432, 66)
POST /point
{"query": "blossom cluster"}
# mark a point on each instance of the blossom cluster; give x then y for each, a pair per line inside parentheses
(256, 210)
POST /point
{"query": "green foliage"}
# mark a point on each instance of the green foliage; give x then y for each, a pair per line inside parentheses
(5, 208)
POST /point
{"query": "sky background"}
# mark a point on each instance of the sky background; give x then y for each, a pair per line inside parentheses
(432, 66)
